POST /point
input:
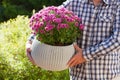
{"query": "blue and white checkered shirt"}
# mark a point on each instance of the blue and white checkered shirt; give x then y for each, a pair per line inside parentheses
(100, 41)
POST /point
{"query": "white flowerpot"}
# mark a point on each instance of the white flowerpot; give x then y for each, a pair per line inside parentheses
(53, 58)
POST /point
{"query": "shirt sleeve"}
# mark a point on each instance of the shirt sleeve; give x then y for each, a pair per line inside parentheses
(110, 44)
(67, 4)
(31, 37)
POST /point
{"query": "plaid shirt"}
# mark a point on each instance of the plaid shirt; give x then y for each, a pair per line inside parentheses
(100, 41)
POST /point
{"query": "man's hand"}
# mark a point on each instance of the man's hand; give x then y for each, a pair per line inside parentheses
(28, 51)
(77, 58)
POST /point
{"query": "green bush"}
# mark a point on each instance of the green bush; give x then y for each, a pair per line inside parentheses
(12, 8)
(14, 65)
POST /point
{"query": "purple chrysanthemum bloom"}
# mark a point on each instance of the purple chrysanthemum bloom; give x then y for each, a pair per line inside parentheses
(52, 21)
(49, 27)
(57, 20)
(81, 27)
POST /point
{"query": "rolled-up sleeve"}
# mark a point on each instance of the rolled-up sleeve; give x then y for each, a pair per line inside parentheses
(67, 4)
(31, 37)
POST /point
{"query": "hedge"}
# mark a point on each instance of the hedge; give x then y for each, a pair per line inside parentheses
(14, 65)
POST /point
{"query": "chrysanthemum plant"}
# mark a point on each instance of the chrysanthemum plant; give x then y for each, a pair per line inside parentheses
(56, 26)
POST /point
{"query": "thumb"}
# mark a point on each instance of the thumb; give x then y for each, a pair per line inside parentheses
(29, 50)
(76, 47)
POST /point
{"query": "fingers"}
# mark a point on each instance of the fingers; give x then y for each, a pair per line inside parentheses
(76, 47)
(75, 60)
(30, 57)
(72, 62)
(28, 51)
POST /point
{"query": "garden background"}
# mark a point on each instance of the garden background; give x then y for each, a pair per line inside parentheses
(14, 31)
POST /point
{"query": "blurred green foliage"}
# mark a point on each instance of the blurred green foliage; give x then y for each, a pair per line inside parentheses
(12, 8)
(14, 65)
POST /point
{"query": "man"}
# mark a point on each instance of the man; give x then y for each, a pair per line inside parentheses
(98, 54)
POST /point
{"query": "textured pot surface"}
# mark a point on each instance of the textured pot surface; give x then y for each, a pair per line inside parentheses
(52, 58)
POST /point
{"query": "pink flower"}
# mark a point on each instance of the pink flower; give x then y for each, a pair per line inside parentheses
(51, 16)
(49, 27)
(81, 27)
(76, 24)
(55, 24)
(45, 18)
(42, 31)
(57, 20)
(62, 26)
